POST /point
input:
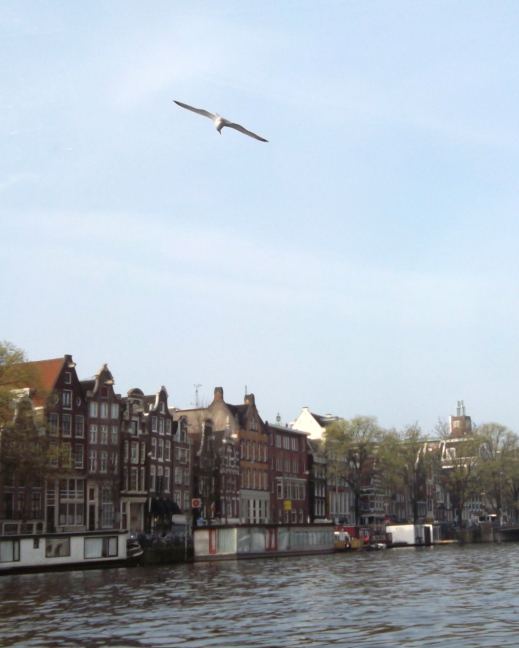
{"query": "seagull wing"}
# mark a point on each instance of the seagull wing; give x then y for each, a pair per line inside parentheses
(199, 111)
(245, 131)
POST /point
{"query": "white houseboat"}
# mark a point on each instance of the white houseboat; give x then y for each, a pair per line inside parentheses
(412, 535)
(65, 551)
(261, 541)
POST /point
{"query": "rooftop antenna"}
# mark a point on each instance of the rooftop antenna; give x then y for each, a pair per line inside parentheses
(196, 394)
(245, 390)
(460, 410)
(278, 418)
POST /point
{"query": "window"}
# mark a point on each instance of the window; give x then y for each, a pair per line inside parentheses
(93, 433)
(186, 477)
(182, 455)
(66, 398)
(253, 424)
(107, 509)
(134, 479)
(177, 496)
(113, 435)
(103, 437)
(126, 447)
(167, 454)
(162, 407)
(66, 425)
(279, 464)
(104, 410)
(57, 547)
(103, 461)
(71, 507)
(53, 423)
(154, 448)
(143, 454)
(167, 480)
(79, 457)
(152, 478)
(278, 440)
(54, 454)
(80, 426)
(105, 390)
(67, 378)
(168, 426)
(160, 455)
(92, 461)
(113, 462)
(93, 408)
(161, 426)
(287, 465)
(134, 429)
(142, 478)
(183, 430)
(187, 502)
(135, 452)
(178, 475)
(101, 547)
(66, 456)
(295, 467)
(153, 423)
(160, 474)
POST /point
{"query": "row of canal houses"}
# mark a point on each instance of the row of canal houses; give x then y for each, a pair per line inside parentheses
(133, 462)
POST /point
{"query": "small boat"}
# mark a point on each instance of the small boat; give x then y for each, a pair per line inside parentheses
(376, 546)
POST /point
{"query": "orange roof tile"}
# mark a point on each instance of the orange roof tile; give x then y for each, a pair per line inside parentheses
(48, 371)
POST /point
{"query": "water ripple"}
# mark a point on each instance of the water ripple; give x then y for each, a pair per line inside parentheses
(464, 596)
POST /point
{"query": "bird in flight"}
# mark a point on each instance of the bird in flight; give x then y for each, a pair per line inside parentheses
(220, 122)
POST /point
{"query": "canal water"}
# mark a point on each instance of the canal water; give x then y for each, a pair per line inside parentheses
(440, 596)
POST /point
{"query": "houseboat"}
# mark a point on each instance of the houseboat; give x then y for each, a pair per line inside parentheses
(42, 552)
(412, 535)
(262, 541)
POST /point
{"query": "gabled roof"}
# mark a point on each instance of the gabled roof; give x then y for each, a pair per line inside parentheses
(48, 372)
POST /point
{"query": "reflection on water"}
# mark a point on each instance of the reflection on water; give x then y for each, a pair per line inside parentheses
(460, 596)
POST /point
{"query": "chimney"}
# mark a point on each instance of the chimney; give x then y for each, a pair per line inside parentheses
(249, 399)
(218, 393)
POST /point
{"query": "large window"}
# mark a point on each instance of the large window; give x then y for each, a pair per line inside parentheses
(9, 551)
(71, 502)
(114, 411)
(101, 547)
(93, 433)
(57, 547)
(92, 461)
(79, 461)
(167, 480)
(103, 461)
(104, 410)
(80, 426)
(66, 398)
(113, 435)
(66, 428)
(53, 423)
(107, 509)
(93, 409)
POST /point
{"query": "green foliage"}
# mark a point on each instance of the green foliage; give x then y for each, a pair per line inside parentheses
(350, 449)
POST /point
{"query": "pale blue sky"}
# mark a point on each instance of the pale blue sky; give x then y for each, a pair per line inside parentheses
(364, 261)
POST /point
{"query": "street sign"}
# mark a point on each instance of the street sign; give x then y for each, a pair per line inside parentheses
(196, 502)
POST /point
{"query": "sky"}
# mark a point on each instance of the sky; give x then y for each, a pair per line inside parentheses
(364, 261)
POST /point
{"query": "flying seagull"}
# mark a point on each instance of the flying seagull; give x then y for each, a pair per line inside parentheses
(220, 122)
